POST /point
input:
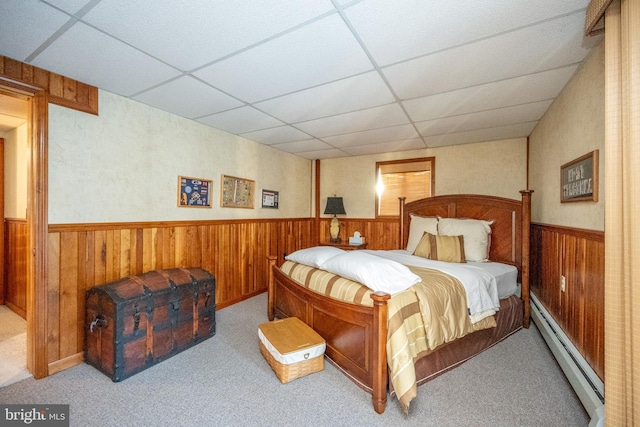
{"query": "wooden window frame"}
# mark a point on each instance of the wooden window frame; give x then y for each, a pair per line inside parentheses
(431, 160)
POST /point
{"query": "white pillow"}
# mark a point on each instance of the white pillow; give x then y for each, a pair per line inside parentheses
(315, 256)
(417, 227)
(476, 232)
(376, 273)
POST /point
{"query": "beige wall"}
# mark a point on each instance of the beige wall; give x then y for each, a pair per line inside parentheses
(573, 126)
(495, 168)
(15, 172)
(123, 166)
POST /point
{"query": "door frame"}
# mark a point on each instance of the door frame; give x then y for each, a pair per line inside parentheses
(2, 243)
(37, 222)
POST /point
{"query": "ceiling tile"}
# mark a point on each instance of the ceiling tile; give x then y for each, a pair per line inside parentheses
(485, 119)
(70, 6)
(520, 130)
(350, 94)
(538, 48)
(399, 30)
(188, 97)
(312, 55)
(520, 90)
(194, 33)
(385, 147)
(302, 146)
(31, 24)
(392, 133)
(87, 55)
(334, 153)
(277, 135)
(371, 118)
(240, 120)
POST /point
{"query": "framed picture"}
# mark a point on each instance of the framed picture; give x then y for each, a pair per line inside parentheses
(269, 199)
(579, 179)
(194, 192)
(237, 192)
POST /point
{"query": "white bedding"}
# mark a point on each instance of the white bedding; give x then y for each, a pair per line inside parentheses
(485, 282)
(506, 277)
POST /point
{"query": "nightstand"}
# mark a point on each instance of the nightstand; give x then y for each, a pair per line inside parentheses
(345, 246)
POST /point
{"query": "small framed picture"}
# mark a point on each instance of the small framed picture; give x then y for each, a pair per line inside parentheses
(194, 192)
(270, 199)
(237, 192)
(579, 179)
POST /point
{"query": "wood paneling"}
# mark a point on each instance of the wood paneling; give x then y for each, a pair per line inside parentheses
(578, 255)
(62, 90)
(15, 262)
(380, 234)
(81, 256)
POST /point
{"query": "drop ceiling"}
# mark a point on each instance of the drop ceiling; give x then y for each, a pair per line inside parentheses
(317, 78)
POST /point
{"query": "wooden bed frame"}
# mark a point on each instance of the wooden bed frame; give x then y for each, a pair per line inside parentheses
(356, 335)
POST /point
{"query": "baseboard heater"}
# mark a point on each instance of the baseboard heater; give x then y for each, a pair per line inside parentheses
(587, 385)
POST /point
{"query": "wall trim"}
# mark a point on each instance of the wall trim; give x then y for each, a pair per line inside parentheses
(61, 228)
(67, 362)
(62, 90)
(595, 235)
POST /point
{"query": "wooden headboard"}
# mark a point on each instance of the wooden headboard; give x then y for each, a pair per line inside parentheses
(510, 231)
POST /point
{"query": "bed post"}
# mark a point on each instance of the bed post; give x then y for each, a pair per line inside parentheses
(526, 248)
(401, 240)
(271, 314)
(379, 362)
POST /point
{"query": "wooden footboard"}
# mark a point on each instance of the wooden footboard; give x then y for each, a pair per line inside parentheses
(355, 335)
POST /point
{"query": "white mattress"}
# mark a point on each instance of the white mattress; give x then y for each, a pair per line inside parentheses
(506, 275)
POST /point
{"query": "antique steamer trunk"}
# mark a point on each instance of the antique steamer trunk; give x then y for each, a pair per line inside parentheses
(138, 321)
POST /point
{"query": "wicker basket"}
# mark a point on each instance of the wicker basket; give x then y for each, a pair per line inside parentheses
(292, 371)
(291, 348)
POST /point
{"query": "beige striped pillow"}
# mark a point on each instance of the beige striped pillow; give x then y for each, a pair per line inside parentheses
(441, 248)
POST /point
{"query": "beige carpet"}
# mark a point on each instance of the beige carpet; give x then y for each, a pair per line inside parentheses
(224, 381)
(13, 347)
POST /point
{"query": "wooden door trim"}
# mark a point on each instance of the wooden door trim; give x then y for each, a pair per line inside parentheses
(2, 272)
(37, 219)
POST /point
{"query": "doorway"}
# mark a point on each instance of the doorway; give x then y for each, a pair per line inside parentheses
(36, 221)
(14, 123)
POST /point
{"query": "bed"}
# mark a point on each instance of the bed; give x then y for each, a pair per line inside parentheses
(358, 334)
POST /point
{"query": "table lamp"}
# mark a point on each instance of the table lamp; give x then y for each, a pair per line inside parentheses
(334, 207)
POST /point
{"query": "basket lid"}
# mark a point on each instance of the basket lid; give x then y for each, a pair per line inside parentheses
(290, 335)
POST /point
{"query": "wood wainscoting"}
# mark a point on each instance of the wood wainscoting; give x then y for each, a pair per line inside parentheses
(578, 255)
(379, 233)
(15, 265)
(81, 256)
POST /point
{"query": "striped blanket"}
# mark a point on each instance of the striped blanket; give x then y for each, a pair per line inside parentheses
(423, 317)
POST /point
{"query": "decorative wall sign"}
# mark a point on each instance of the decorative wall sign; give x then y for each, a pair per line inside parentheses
(270, 199)
(237, 192)
(194, 192)
(579, 179)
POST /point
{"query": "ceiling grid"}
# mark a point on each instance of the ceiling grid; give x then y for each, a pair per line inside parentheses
(319, 78)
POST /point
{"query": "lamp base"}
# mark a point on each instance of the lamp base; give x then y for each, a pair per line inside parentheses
(334, 230)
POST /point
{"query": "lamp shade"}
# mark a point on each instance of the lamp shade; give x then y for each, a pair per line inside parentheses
(334, 206)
